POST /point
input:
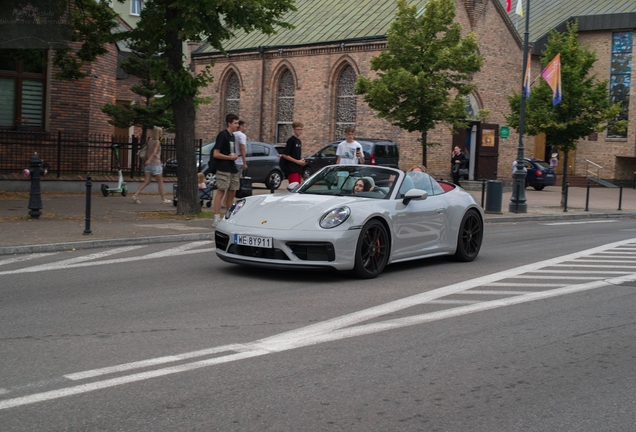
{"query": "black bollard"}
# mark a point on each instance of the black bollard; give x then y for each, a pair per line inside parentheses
(620, 196)
(587, 198)
(483, 192)
(35, 199)
(87, 226)
(517, 202)
(565, 200)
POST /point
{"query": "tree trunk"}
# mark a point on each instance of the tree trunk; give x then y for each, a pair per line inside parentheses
(424, 147)
(184, 113)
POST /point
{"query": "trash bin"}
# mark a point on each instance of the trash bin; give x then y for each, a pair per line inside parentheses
(494, 193)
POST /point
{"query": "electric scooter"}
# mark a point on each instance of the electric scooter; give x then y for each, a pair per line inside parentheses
(121, 185)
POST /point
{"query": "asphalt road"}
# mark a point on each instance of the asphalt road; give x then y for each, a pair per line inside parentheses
(165, 339)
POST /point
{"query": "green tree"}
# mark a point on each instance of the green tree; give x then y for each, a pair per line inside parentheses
(165, 25)
(155, 111)
(423, 77)
(585, 105)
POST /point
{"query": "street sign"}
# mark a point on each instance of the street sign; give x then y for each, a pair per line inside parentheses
(504, 132)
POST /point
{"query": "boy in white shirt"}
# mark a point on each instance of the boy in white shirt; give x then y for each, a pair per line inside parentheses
(349, 151)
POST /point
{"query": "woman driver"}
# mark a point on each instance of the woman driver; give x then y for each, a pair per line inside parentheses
(362, 185)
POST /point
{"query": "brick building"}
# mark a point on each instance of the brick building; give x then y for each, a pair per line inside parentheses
(307, 74)
(607, 27)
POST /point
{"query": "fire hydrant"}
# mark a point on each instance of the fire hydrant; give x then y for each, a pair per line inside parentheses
(35, 171)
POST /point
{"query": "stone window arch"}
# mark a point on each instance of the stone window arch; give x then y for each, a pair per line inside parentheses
(346, 101)
(285, 106)
(232, 95)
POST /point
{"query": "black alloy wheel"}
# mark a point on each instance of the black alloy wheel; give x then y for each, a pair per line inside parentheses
(372, 251)
(469, 239)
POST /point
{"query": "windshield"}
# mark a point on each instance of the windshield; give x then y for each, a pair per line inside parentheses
(359, 180)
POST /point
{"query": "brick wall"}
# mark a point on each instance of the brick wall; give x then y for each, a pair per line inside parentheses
(316, 70)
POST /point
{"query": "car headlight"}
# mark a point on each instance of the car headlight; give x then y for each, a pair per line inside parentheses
(335, 217)
(234, 208)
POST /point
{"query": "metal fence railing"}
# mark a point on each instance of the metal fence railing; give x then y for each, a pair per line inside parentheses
(69, 153)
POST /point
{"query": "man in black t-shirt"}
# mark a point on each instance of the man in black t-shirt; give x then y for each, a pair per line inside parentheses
(293, 155)
(227, 175)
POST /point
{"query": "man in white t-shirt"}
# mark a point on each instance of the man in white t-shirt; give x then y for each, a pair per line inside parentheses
(241, 139)
(349, 151)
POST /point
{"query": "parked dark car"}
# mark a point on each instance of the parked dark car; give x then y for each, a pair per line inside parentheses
(376, 152)
(170, 166)
(539, 174)
(263, 163)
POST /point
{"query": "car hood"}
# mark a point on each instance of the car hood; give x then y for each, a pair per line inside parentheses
(288, 211)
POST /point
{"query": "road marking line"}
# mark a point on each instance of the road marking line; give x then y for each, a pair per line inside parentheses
(79, 262)
(22, 258)
(585, 271)
(556, 277)
(496, 292)
(581, 222)
(521, 284)
(607, 260)
(346, 326)
(595, 266)
(453, 302)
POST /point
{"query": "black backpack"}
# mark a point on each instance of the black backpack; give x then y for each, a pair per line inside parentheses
(212, 164)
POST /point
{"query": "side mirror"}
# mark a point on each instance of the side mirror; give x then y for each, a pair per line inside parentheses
(414, 194)
(292, 186)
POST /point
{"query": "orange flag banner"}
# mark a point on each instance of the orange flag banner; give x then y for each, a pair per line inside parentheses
(552, 75)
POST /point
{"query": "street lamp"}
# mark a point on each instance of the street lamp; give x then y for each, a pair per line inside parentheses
(518, 198)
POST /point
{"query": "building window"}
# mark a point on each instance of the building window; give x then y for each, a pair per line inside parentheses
(285, 107)
(232, 95)
(22, 88)
(620, 77)
(345, 101)
(135, 7)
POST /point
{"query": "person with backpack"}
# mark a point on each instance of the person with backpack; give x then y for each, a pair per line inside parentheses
(227, 174)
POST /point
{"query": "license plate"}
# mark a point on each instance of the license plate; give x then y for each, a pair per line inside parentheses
(549, 175)
(254, 241)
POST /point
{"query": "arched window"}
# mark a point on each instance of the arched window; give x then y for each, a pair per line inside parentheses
(285, 107)
(232, 95)
(345, 101)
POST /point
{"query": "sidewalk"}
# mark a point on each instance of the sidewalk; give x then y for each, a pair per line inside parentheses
(116, 220)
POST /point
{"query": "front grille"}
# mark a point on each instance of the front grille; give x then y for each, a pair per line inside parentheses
(250, 251)
(313, 251)
(221, 240)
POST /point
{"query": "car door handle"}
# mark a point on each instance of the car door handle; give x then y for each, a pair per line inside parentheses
(439, 210)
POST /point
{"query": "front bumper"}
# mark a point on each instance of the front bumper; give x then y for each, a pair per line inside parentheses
(302, 250)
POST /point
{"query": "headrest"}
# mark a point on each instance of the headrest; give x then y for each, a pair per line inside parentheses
(370, 180)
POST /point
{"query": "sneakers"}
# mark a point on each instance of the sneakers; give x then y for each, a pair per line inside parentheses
(166, 201)
(136, 200)
(215, 222)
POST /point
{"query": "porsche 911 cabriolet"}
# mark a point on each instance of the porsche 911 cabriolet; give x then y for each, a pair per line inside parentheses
(329, 223)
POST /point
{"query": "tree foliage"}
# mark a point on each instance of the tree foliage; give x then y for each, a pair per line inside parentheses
(165, 26)
(154, 111)
(585, 107)
(424, 76)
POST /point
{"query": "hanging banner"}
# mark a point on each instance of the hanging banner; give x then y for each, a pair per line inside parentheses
(552, 75)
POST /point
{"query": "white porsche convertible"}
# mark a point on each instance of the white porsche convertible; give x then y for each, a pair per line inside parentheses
(356, 218)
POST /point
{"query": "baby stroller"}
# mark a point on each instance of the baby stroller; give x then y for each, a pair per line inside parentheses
(206, 194)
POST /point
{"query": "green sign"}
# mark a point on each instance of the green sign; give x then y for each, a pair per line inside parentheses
(504, 132)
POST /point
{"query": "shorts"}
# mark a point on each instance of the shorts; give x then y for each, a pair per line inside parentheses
(227, 181)
(154, 169)
(294, 177)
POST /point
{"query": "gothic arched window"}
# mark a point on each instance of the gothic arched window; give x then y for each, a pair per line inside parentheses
(285, 107)
(232, 95)
(345, 101)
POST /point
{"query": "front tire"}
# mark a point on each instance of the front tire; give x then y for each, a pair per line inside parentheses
(104, 190)
(372, 250)
(469, 239)
(307, 172)
(273, 180)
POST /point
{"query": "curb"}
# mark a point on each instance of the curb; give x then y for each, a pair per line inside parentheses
(565, 216)
(91, 244)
